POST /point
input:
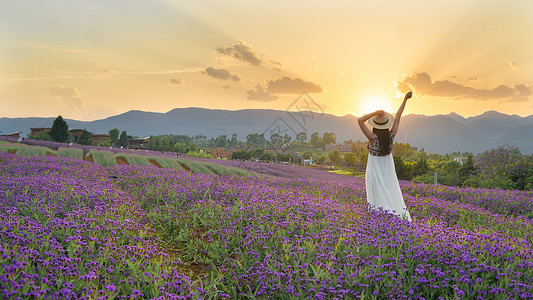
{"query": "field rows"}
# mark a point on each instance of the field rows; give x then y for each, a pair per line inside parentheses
(74, 229)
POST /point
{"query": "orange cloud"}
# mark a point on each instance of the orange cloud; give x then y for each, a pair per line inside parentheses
(422, 84)
(176, 81)
(68, 95)
(245, 53)
(259, 93)
(220, 74)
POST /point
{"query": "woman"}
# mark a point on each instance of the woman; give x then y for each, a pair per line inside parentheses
(382, 187)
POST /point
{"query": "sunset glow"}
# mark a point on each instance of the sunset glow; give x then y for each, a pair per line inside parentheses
(92, 59)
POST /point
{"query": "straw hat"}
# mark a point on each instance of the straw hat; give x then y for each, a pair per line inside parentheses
(381, 122)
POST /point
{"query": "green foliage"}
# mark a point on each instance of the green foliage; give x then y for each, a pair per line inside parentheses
(284, 157)
(240, 155)
(350, 158)
(403, 170)
(316, 140)
(104, 143)
(85, 138)
(123, 140)
(329, 138)
(321, 160)
(199, 154)
(307, 154)
(449, 174)
(113, 133)
(301, 137)
(421, 167)
(59, 131)
(42, 135)
(425, 178)
(335, 156)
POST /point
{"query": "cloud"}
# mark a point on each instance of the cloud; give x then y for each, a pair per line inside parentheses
(242, 52)
(104, 71)
(422, 84)
(245, 53)
(517, 64)
(176, 81)
(220, 74)
(68, 95)
(5, 94)
(259, 93)
(286, 85)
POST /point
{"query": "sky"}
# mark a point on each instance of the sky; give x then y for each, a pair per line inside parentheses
(89, 60)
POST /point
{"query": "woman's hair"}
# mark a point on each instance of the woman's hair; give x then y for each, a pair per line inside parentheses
(384, 140)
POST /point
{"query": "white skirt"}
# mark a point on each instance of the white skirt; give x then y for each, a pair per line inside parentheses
(382, 186)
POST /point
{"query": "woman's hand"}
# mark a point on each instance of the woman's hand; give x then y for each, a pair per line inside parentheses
(379, 113)
(408, 95)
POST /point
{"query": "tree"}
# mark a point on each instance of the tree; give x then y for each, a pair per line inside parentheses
(307, 154)
(255, 139)
(448, 174)
(59, 130)
(221, 141)
(233, 142)
(350, 158)
(467, 169)
(179, 147)
(113, 133)
(43, 136)
(276, 140)
(104, 143)
(335, 156)
(301, 137)
(321, 160)
(329, 138)
(316, 141)
(421, 167)
(123, 140)
(287, 139)
(85, 138)
(402, 170)
(191, 147)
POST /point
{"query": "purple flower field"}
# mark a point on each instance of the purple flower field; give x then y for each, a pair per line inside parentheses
(75, 230)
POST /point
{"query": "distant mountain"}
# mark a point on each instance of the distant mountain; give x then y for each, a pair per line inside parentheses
(439, 134)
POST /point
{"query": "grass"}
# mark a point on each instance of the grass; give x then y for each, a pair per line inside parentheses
(106, 158)
(166, 162)
(76, 153)
(348, 172)
(103, 158)
(8, 147)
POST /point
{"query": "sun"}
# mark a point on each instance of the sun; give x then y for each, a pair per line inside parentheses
(373, 103)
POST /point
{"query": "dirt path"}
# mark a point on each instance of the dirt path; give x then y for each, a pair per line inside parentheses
(184, 167)
(154, 163)
(121, 160)
(88, 158)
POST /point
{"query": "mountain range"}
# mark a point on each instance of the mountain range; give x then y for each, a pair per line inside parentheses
(437, 134)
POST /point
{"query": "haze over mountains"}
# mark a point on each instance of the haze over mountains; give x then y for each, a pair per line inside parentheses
(438, 134)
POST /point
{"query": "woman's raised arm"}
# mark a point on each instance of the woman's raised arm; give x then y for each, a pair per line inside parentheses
(396, 124)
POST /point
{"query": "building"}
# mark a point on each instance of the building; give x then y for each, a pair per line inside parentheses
(75, 134)
(346, 147)
(96, 138)
(138, 143)
(34, 131)
(14, 135)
